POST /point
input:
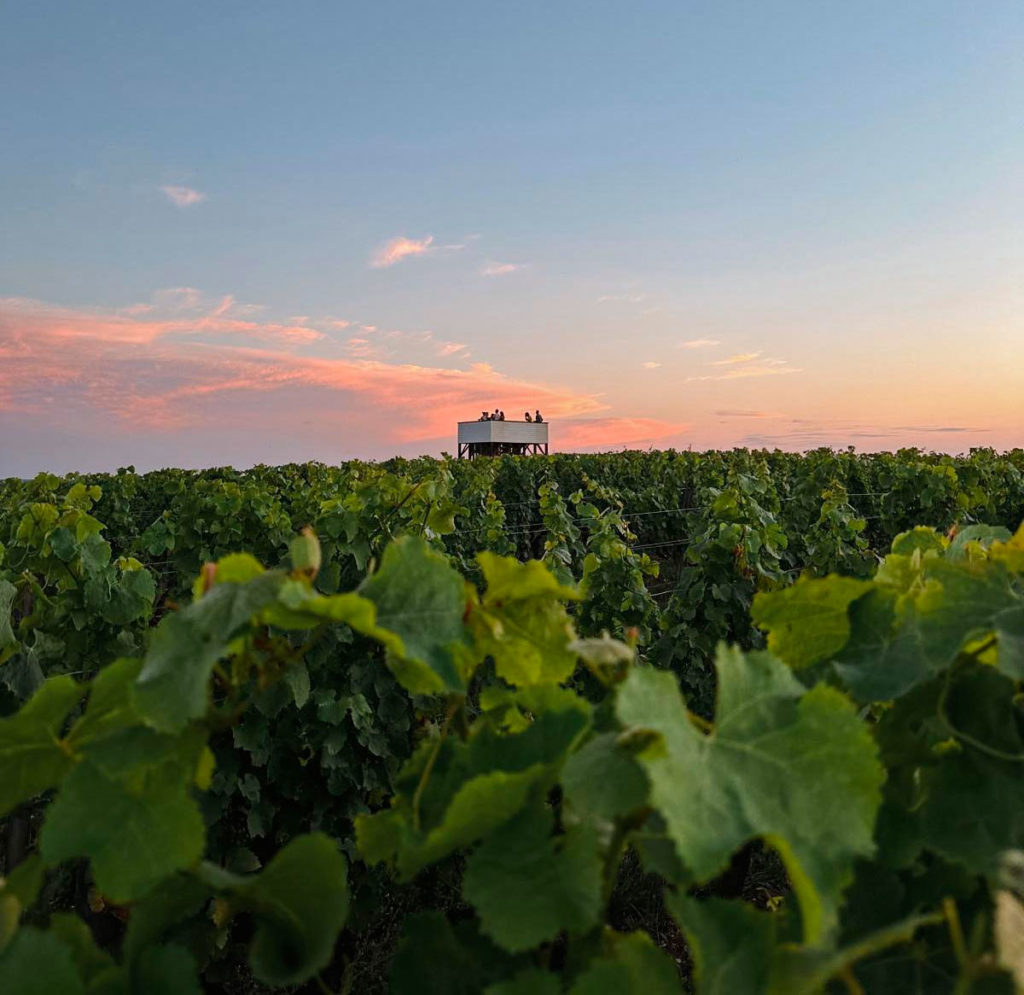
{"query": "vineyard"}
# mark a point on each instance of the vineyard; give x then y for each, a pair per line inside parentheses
(745, 723)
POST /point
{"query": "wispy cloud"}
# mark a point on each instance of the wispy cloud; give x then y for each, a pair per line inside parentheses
(451, 348)
(400, 248)
(183, 196)
(940, 428)
(492, 268)
(748, 364)
(698, 343)
(360, 347)
(650, 365)
(741, 357)
(837, 434)
(178, 299)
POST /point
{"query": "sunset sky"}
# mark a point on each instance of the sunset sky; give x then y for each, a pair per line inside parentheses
(242, 232)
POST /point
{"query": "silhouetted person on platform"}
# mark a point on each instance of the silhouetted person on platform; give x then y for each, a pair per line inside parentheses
(528, 418)
(483, 416)
(501, 416)
(538, 417)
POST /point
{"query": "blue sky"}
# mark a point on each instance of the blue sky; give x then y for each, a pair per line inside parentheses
(829, 195)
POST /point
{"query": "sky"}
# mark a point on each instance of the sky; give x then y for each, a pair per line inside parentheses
(252, 232)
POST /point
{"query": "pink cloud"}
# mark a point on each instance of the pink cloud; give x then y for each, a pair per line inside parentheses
(135, 376)
(360, 347)
(183, 196)
(501, 269)
(227, 302)
(698, 343)
(611, 433)
(398, 249)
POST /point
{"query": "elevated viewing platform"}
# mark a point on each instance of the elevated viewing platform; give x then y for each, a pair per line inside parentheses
(502, 438)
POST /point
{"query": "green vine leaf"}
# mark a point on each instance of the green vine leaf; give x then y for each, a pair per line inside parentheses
(796, 768)
(883, 659)
(435, 957)
(532, 981)
(528, 885)
(128, 808)
(974, 810)
(632, 965)
(301, 900)
(603, 780)
(37, 963)
(155, 917)
(736, 949)
(90, 961)
(420, 603)
(471, 789)
(8, 641)
(111, 705)
(522, 622)
(32, 754)
(166, 970)
(173, 686)
(808, 622)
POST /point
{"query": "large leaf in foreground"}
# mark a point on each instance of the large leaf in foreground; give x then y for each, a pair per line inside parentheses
(796, 768)
(8, 641)
(921, 612)
(420, 602)
(523, 623)
(173, 686)
(731, 944)
(633, 965)
(884, 657)
(603, 780)
(436, 957)
(470, 789)
(301, 901)
(962, 601)
(167, 970)
(128, 808)
(808, 622)
(528, 886)
(111, 705)
(32, 755)
(37, 963)
(530, 981)
(974, 810)
(736, 949)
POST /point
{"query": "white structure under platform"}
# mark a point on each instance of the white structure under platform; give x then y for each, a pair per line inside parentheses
(502, 438)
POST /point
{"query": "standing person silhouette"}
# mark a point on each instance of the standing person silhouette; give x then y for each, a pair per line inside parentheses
(538, 417)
